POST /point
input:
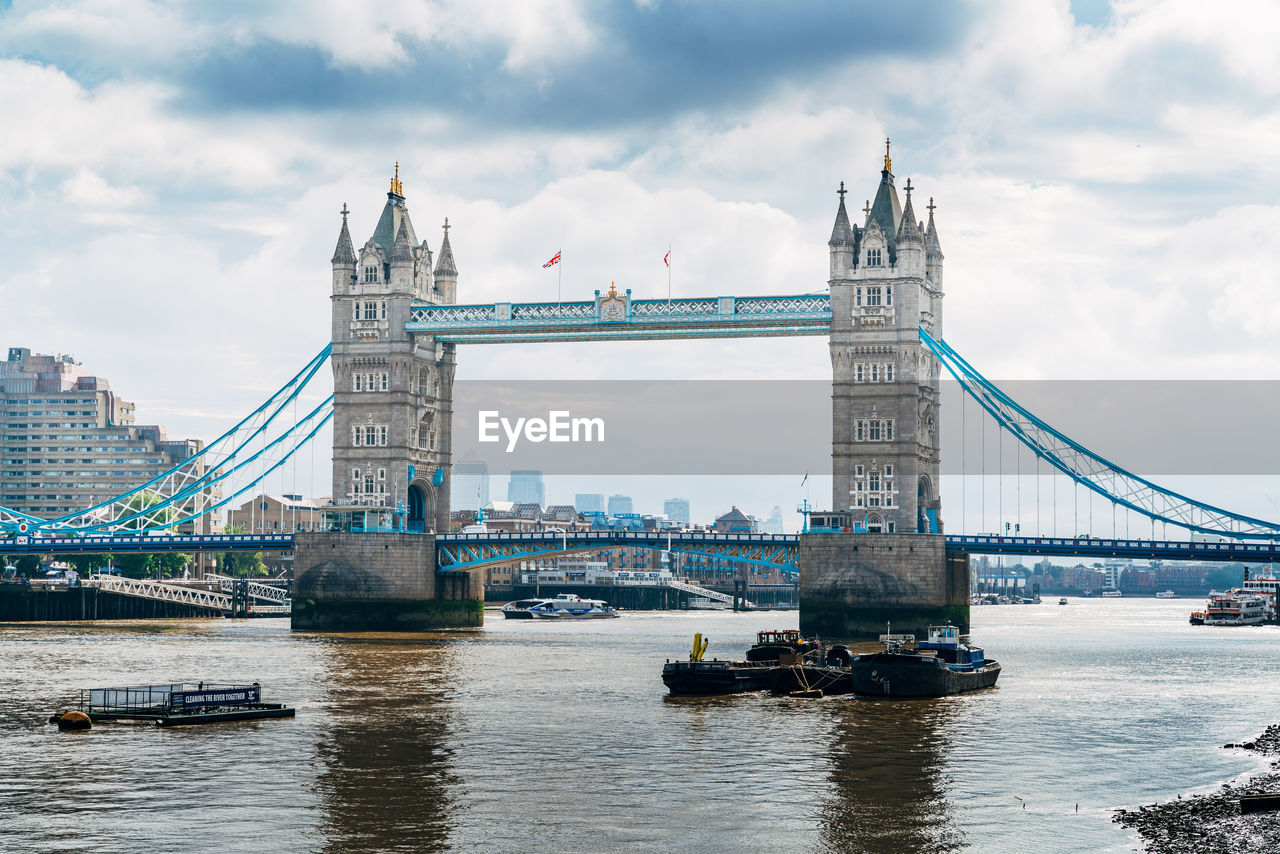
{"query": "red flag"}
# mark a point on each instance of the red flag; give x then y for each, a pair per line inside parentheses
(666, 259)
(555, 259)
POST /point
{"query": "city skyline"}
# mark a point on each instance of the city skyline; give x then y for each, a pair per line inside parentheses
(1075, 207)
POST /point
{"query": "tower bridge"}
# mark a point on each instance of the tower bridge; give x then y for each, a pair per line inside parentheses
(396, 324)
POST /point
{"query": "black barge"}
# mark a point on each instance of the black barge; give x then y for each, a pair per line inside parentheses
(759, 672)
(938, 667)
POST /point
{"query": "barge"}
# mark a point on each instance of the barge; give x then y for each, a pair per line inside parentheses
(176, 704)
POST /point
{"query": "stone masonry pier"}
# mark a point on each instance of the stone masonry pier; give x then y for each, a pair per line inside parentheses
(379, 582)
(852, 585)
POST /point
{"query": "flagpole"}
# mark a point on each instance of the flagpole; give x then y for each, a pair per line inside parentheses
(559, 266)
(668, 274)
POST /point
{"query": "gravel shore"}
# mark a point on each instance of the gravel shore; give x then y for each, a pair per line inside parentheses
(1211, 824)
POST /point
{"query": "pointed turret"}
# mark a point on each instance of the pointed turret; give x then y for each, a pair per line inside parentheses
(401, 252)
(446, 276)
(344, 258)
(932, 247)
(909, 229)
(843, 242)
(445, 266)
(344, 253)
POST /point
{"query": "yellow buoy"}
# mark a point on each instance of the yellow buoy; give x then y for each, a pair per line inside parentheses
(71, 721)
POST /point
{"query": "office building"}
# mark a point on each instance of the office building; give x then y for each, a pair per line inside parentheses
(470, 483)
(526, 487)
(677, 510)
(68, 442)
(588, 502)
(619, 504)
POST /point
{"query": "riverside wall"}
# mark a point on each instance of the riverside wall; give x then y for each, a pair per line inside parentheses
(853, 585)
(384, 582)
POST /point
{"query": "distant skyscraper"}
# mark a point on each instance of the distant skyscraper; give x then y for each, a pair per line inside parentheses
(620, 504)
(588, 502)
(773, 525)
(470, 490)
(677, 510)
(525, 487)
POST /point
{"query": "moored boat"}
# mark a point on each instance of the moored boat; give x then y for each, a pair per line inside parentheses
(937, 667)
(1062, 601)
(1235, 608)
(758, 672)
(1166, 594)
(1111, 594)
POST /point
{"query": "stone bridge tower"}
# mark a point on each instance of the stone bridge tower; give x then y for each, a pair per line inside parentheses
(886, 283)
(393, 391)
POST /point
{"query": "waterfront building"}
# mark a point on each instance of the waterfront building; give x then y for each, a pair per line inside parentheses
(526, 487)
(278, 514)
(589, 502)
(677, 510)
(68, 442)
(470, 483)
(620, 505)
(734, 522)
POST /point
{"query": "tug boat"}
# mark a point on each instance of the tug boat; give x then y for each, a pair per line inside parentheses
(940, 666)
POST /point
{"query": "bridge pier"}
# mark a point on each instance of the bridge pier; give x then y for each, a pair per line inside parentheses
(852, 585)
(379, 582)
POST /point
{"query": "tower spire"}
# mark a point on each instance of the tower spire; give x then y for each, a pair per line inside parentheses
(445, 265)
(841, 232)
(909, 229)
(396, 187)
(344, 253)
(888, 164)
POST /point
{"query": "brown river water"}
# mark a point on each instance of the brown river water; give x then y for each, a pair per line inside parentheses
(540, 737)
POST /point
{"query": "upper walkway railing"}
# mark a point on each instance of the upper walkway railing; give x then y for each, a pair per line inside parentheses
(617, 317)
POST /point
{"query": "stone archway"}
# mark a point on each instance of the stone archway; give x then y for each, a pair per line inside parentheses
(417, 519)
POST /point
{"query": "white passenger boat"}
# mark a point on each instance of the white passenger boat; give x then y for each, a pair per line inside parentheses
(568, 606)
(1111, 594)
(520, 609)
(1235, 608)
(1166, 594)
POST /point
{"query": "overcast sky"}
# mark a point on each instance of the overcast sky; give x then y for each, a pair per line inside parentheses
(171, 174)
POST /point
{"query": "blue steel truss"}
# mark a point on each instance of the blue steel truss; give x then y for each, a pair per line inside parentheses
(1093, 471)
(617, 317)
(145, 544)
(458, 552)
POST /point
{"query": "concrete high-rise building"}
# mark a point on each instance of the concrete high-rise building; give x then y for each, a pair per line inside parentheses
(67, 442)
(677, 510)
(773, 525)
(886, 284)
(588, 502)
(619, 504)
(470, 482)
(392, 396)
(526, 487)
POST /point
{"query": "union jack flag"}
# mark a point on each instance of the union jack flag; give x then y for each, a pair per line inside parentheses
(555, 259)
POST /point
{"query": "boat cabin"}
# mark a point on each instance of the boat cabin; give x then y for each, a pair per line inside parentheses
(947, 643)
(785, 636)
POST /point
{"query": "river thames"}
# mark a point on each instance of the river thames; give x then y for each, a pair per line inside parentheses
(543, 737)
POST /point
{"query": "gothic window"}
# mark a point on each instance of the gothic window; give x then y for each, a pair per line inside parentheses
(873, 431)
(873, 482)
(384, 382)
(888, 430)
(382, 435)
(355, 311)
(888, 294)
(873, 296)
(893, 527)
(875, 373)
(859, 471)
(888, 472)
(873, 257)
(357, 436)
(888, 372)
(857, 372)
(859, 430)
(357, 382)
(371, 311)
(857, 296)
(371, 274)
(382, 308)
(368, 483)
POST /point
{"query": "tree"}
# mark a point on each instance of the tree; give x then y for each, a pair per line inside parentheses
(28, 565)
(1225, 577)
(242, 564)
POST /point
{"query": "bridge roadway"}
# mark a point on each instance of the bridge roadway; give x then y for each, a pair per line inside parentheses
(457, 552)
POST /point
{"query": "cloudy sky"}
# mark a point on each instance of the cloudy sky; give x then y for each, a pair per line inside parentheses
(171, 173)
